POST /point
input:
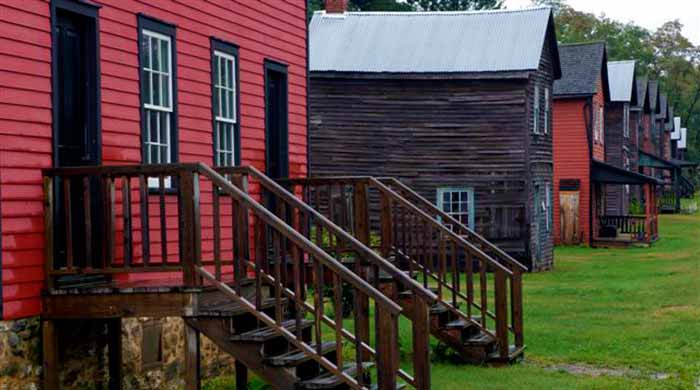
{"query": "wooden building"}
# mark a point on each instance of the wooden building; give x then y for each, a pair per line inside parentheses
(458, 106)
(581, 172)
(620, 131)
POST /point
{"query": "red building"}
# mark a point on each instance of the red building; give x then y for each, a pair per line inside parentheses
(581, 173)
(104, 84)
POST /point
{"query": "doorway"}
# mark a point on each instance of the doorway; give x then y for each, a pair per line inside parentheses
(76, 137)
(276, 125)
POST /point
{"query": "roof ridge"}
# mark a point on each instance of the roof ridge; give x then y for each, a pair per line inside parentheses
(582, 43)
(435, 13)
(621, 62)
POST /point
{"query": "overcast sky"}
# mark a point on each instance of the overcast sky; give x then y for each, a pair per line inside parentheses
(646, 13)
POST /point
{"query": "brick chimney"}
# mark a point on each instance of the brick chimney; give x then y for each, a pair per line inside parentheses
(336, 6)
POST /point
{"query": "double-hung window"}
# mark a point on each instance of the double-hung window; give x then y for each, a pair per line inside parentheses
(458, 202)
(548, 205)
(225, 103)
(536, 111)
(626, 120)
(158, 92)
(547, 110)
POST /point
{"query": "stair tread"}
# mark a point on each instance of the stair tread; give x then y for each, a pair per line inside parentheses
(513, 353)
(399, 386)
(267, 333)
(230, 308)
(296, 357)
(329, 381)
(480, 338)
(458, 324)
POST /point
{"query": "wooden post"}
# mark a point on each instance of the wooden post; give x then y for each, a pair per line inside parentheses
(362, 233)
(241, 376)
(192, 355)
(114, 348)
(648, 195)
(386, 236)
(387, 349)
(500, 289)
(516, 301)
(421, 344)
(48, 231)
(187, 227)
(50, 354)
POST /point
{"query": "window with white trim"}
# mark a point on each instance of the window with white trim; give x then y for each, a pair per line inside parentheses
(458, 202)
(548, 205)
(626, 120)
(225, 103)
(158, 89)
(547, 110)
(536, 111)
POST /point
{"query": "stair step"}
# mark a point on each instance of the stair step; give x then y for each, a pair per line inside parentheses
(480, 339)
(230, 308)
(399, 386)
(297, 357)
(513, 354)
(458, 324)
(266, 333)
(330, 381)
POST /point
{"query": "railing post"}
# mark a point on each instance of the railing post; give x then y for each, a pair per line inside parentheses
(501, 313)
(421, 343)
(386, 228)
(48, 231)
(387, 349)
(241, 239)
(188, 224)
(516, 302)
(362, 233)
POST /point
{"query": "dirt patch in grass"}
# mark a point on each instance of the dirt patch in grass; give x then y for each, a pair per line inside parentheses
(593, 371)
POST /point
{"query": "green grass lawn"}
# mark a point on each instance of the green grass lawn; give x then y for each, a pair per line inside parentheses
(620, 315)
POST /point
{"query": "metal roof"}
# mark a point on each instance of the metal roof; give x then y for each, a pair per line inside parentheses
(683, 142)
(622, 81)
(663, 105)
(676, 134)
(654, 96)
(582, 64)
(430, 42)
(643, 94)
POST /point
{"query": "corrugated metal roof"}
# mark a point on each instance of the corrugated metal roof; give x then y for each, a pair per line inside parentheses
(428, 42)
(676, 134)
(621, 79)
(683, 142)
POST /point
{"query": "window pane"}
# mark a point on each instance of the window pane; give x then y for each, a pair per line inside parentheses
(155, 85)
(165, 56)
(164, 126)
(153, 121)
(145, 52)
(153, 155)
(146, 87)
(165, 88)
(155, 55)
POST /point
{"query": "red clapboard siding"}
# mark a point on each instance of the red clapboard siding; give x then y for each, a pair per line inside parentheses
(266, 29)
(571, 159)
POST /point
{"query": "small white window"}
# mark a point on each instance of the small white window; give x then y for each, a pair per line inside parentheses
(546, 110)
(225, 108)
(548, 205)
(458, 203)
(536, 111)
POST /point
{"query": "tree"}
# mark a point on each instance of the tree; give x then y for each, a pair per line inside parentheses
(454, 5)
(364, 5)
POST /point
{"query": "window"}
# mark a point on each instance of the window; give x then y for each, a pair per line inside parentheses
(598, 128)
(626, 120)
(548, 205)
(458, 203)
(158, 92)
(225, 102)
(536, 111)
(546, 110)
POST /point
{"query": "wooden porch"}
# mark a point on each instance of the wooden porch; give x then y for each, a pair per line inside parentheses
(261, 269)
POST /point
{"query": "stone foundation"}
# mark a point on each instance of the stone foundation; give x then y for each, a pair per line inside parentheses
(83, 354)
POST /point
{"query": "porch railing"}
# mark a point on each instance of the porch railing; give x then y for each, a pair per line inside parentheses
(626, 224)
(206, 231)
(473, 285)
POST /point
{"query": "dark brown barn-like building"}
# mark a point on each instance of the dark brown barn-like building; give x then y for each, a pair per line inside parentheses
(457, 105)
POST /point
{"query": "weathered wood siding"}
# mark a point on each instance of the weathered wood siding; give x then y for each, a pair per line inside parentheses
(615, 154)
(431, 133)
(540, 164)
(263, 29)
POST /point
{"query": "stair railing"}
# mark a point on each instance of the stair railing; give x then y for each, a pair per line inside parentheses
(333, 236)
(469, 282)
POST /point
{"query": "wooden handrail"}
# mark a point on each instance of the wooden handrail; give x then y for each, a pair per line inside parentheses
(447, 217)
(298, 239)
(356, 245)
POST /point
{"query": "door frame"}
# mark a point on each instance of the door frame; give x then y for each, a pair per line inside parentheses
(90, 11)
(279, 67)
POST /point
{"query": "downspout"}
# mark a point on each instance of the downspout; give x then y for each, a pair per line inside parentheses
(588, 118)
(308, 91)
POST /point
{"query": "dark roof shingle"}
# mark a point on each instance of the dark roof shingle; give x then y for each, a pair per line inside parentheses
(581, 65)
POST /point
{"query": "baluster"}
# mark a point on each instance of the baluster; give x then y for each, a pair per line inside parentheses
(236, 250)
(455, 274)
(260, 259)
(386, 225)
(516, 301)
(69, 221)
(49, 227)
(111, 218)
(88, 222)
(387, 344)
(216, 216)
(277, 256)
(338, 314)
(163, 220)
(126, 217)
(282, 207)
(298, 287)
(443, 265)
(483, 292)
(318, 303)
(145, 230)
(469, 265)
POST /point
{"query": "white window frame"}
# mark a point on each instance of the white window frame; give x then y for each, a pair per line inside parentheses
(157, 109)
(626, 120)
(471, 207)
(223, 118)
(548, 205)
(547, 110)
(536, 111)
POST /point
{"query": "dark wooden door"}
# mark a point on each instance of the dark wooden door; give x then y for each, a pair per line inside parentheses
(569, 210)
(76, 138)
(277, 139)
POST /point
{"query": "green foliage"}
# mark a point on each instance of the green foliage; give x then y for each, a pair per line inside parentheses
(636, 207)
(454, 5)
